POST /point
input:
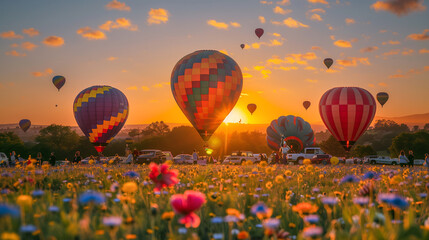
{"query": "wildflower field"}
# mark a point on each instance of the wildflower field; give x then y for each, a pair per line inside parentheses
(214, 202)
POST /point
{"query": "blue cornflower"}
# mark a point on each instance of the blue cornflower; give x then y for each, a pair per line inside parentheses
(37, 193)
(92, 196)
(394, 200)
(28, 228)
(329, 201)
(112, 221)
(131, 174)
(361, 201)
(370, 175)
(349, 179)
(53, 209)
(8, 210)
(66, 200)
(312, 219)
(217, 220)
(6, 174)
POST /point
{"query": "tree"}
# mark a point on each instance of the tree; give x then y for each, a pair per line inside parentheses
(415, 128)
(133, 133)
(9, 142)
(426, 127)
(363, 150)
(59, 139)
(156, 129)
(416, 141)
(333, 147)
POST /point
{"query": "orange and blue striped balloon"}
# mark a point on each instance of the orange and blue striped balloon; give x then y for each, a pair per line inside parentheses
(59, 81)
(100, 112)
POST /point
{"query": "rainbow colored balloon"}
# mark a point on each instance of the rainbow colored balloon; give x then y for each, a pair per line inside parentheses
(206, 85)
(59, 81)
(24, 124)
(100, 112)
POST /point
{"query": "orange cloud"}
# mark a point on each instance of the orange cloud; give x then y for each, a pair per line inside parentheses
(318, 1)
(391, 42)
(218, 25)
(311, 80)
(91, 34)
(392, 52)
(353, 61)
(53, 41)
(290, 22)
(343, 44)
(423, 50)
(407, 51)
(283, 2)
(116, 5)
(15, 54)
(420, 36)
(280, 10)
(112, 58)
(316, 17)
(118, 23)
(132, 88)
(382, 84)
(397, 76)
(369, 49)
(265, 72)
(157, 16)
(266, 2)
(235, 24)
(261, 19)
(350, 21)
(247, 75)
(28, 46)
(399, 7)
(10, 35)
(43, 73)
(31, 32)
(145, 88)
(316, 48)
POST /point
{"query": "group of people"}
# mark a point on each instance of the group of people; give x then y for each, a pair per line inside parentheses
(52, 160)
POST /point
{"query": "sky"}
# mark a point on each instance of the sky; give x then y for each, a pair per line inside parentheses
(133, 46)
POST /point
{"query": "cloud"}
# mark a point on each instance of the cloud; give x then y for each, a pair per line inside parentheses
(310, 68)
(396, 76)
(392, 52)
(265, 72)
(290, 22)
(321, 10)
(353, 61)
(31, 32)
(218, 25)
(407, 51)
(420, 36)
(343, 44)
(391, 42)
(112, 58)
(132, 88)
(369, 49)
(293, 58)
(235, 24)
(116, 5)
(118, 23)
(43, 73)
(261, 19)
(224, 51)
(382, 84)
(318, 1)
(15, 53)
(277, 35)
(280, 10)
(158, 85)
(316, 48)
(91, 34)
(266, 2)
(423, 50)
(10, 35)
(28, 46)
(283, 2)
(145, 88)
(247, 75)
(157, 16)
(399, 7)
(54, 41)
(14, 45)
(350, 21)
(311, 80)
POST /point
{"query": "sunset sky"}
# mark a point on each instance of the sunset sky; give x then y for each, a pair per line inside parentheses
(133, 45)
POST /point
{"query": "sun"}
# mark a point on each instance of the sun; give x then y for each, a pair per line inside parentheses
(236, 116)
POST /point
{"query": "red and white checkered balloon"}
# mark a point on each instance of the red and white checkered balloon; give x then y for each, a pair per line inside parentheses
(347, 112)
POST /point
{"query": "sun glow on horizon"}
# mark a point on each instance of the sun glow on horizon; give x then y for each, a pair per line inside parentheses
(236, 116)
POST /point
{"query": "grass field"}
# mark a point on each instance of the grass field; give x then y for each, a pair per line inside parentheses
(221, 202)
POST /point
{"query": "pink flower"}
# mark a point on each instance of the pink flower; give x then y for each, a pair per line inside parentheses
(186, 204)
(162, 176)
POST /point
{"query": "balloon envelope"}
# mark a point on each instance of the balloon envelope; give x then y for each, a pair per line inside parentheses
(382, 98)
(100, 112)
(206, 84)
(306, 104)
(251, 107)
(24, 124)
(259, 32)
(59, 81)
(242, 46)
(347, 112)
(328, 62)
(294, 130)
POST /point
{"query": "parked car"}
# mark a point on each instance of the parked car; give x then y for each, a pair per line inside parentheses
(298, 158)
(321, 159)
(3, 159)
(261, 156)
(150, 155)
(183, 159)
(383, 160)
(239, 157)
(168, 155)
(367, 159)
(419, 161)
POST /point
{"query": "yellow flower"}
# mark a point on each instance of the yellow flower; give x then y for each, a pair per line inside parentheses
(130, 236)
(9, 236)
(129, 187)
(24, 200)
(288, 173)
(269, 170)
(292, 225)
(169, 162)
(279, 179)
(30, 167)
(263, 164)
(395, 179)
(99, 232)
(249, 162)
(334, 160)
(269, 185)
(111, 161)
(91, 162)
(307, 161)
(233, 212)
(69, 185)
(309, 168)
(149, 231)
(305, 208)
(321, 176)
(167, 216)
(45, 167)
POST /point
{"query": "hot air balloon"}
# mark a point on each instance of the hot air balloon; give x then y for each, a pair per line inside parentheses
(259, 32)
(206, 85)
(24, 124)
(328, 62)
(242, 45)
(306, 104)
(59, 81)
(100, 112)
(294, 130)
(382, 98)
(347, 112)
(251, 107)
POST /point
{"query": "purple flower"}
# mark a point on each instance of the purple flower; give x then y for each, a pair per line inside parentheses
(349, 179)
(54, 209)
(37, 193)
(271, 223)
(394, 200)
(259, 207)
(312, 219)
(131, 174)
(8, 210)
(91, 196)
(330, 201)
(112, 221)
(312, 232)
(361, 201)
(370, 175)
(28, 228)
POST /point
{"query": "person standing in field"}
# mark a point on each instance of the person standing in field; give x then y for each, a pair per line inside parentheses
(39, 159)
(52, 159)
(77, 158)
(195, 155)
(427, 160)
(403, 160)
(411, 158)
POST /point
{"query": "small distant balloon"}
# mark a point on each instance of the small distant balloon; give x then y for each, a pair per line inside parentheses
(24, 124)
(306, 104)
(382, 98)
(56, 105)
(328, 62)
(59, 81)
(242, 45)
(251, 107)
(259, 32)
